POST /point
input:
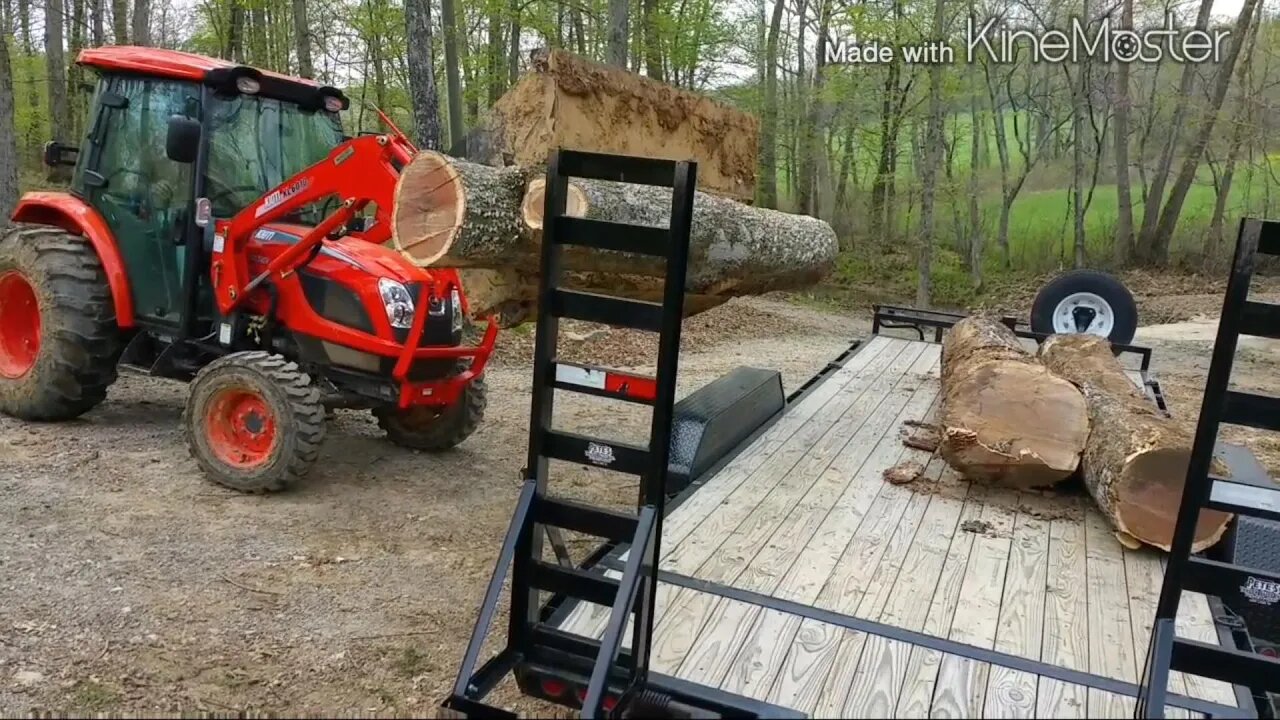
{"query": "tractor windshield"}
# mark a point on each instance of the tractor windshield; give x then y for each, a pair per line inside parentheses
(256, 143)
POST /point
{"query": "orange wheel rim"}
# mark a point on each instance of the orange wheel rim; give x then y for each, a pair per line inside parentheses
(19, 325)
(240, 427)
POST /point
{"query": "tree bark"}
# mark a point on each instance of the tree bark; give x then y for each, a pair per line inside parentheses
(1191, 161)
(302, 38)
(1213, 246)
(1124, 199)
(513, 47)
(57, 70)
(768, 181)
(1147, 249)
(453, 79)
(8, 139)
(652, 42)
(235, 32)
(141, 22)
(120, 21)
(929, 178)
(1135, 459)
(422, 74)
(618, 32)
(1005, 418)
(496, 79)
(453, 213)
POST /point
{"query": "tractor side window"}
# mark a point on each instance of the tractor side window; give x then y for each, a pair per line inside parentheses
(257, 143)
(146, 195)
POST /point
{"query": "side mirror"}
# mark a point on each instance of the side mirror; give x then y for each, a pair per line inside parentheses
(183, 139)
(56, 153)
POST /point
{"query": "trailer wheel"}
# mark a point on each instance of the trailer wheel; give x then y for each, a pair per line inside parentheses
(59, 341)
(1086, 301)
(436, 429)
(254, 422)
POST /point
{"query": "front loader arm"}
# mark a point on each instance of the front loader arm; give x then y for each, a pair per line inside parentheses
(358, 172)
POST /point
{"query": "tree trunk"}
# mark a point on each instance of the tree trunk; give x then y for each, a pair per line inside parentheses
(618, 32)
(496, 77)
(235, 32)
(422, 74)
(57, 71)
(881, 186)
(513, 50)
(1124, 199)
(141, 22)
(652, 43)
(813, 153)
(1213, 246)
(1078, 120)
(120, 21)
(74, 77)
(768, 182)
(99, 36)
(452, 213)
(453, 80)
(8, 139)
(1135, 459)
(1191, 161)
(302, 38)
(1147, 250)
(929, 178)
(975, 215)
(1005, 418)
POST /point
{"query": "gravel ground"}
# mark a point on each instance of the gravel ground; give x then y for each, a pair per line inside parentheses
(128, 584)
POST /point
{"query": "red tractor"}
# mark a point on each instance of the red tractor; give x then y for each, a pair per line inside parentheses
(220, 229)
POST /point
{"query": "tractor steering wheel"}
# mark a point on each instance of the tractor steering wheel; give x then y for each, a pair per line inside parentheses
(215, 197)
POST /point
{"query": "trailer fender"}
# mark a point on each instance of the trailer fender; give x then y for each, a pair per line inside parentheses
(74, 215)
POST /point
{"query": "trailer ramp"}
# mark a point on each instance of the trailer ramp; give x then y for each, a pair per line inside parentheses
(796, 575)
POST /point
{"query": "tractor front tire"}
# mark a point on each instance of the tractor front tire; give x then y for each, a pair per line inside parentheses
(254, 422)
(59, 339)
(436, 429)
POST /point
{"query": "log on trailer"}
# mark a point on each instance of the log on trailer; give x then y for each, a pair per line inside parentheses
(567, 101)
(1004, 417)
(1135, 459)
(455, 213)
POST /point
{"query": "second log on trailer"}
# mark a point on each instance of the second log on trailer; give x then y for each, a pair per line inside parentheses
(1004, 417)
(1135, 460)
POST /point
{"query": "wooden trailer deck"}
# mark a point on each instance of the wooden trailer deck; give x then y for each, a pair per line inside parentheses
(1029, 605)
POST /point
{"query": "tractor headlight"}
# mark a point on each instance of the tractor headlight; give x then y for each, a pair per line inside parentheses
(398, 302)
(456, 297)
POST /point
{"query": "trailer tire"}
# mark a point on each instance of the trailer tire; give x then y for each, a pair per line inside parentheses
(254, 422)
(1086, 296)
(59, 339)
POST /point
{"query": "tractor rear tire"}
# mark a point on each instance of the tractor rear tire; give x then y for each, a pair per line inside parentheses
(436, 429)
(59, 339)
(254, 422)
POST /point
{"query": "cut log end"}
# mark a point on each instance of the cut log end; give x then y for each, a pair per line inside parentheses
(430, 207)
(1148, 495)
(533, 207)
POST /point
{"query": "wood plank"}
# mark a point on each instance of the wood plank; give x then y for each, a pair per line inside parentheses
(1012, 693)
(1144, 575)
(857, 470)
(739, 541)
(1066, 622)
(1111, 650)
(729, 490)
(1195, 622)
(961, 684)
(921, 676)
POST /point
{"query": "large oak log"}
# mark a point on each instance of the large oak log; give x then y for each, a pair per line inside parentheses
(1135, 460)
(488, 220)
(567, 101)
(1004, 417)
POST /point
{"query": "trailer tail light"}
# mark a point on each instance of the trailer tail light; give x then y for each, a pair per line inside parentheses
(553, 688)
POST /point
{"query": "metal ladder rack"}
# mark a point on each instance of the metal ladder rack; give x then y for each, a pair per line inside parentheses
(1185, 572)
(538, 515)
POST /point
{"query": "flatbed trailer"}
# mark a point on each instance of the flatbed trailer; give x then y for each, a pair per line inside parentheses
(794, 574)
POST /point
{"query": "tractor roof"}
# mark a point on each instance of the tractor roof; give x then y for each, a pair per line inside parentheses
(171, 64)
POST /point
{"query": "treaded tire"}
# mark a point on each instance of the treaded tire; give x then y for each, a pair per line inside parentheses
(432, 430)
(79, 338)
(1107, 288)
(292, 408)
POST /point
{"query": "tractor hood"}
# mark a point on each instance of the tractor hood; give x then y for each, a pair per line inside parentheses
(367, 257)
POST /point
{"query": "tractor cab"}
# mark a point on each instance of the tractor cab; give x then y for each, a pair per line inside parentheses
(155, 144)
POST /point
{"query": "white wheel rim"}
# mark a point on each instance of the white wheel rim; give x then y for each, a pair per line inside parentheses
(1064, 315)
